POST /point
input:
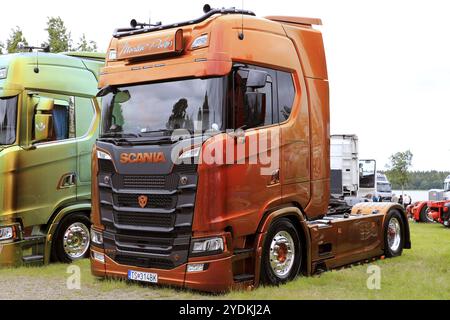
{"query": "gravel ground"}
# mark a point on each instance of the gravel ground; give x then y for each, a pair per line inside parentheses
(31, 288)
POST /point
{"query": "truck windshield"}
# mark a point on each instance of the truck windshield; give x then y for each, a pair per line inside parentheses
(195, 105)
(8, 119)
(384, 187)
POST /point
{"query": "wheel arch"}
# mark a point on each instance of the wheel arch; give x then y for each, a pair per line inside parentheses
(385, 208)
(295, 214)
(59, 214)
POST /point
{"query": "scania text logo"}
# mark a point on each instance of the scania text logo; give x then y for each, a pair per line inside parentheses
(147, 157)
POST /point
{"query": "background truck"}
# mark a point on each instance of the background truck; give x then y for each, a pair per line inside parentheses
(348, 173)
(384, 188)
(344, 162)
(49, 120)
(437, 208)
(176, 95)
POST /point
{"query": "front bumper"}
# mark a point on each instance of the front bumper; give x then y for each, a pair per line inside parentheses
(217, 277)
(11, 254)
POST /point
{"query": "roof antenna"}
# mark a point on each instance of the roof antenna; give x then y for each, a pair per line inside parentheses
(241, 34)
(21, 46)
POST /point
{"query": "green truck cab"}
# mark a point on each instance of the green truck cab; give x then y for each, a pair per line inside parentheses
(49, 120)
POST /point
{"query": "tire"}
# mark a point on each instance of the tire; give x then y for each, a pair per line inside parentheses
(281, 236)
(423, 215)
(394, 234)
(72, 238)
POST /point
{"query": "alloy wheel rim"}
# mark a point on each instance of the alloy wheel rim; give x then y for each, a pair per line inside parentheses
(394, 234)
(282, 254)
(76, 240)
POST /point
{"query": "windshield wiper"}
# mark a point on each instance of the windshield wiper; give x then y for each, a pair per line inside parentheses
(163, 131)
(119, 135)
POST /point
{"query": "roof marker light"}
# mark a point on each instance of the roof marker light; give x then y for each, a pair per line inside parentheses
(199, 42)
(3, 72)
(112, 54)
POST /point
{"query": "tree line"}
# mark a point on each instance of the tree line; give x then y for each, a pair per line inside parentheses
(422, 180)
(59, 39)
(401, 178)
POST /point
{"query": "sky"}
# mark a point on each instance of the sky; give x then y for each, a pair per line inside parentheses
(388, 60)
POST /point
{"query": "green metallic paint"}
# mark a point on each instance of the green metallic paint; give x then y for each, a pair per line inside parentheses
(30, 173)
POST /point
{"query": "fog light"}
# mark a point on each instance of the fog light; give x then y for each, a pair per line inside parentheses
(195, 267)
(96, 237)
(207, 246)
(100, 257)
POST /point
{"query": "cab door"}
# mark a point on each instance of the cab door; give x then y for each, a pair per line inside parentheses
(46, 178)
(87, 118)
(253, 182)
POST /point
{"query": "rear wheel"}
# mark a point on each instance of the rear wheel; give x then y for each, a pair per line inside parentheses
(72, 238)
(424, 214)
(281, 257)
(394, 235)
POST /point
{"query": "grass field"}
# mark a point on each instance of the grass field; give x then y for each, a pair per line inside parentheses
(421, 273)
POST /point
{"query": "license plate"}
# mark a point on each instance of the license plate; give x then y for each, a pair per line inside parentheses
(143, 276)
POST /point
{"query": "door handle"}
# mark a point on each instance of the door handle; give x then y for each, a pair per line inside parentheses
(68, 180)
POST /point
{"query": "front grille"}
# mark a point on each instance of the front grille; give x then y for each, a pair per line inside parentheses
(144, 262)
(106, 166)
(143, 240)
(185, 168)
(145, 219)
(144, 182)
(148, 182)
(154, 232)
(160, 201)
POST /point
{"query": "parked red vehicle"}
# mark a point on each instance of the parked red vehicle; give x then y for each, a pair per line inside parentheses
(419, 211)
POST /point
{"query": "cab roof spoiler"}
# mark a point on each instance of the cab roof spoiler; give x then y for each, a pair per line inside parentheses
(86, 55)
(296, 20)
(139, 29)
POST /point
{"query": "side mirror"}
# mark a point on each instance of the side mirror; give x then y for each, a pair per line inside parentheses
(122, 96)
(255, 109)
(43, 120)
(256, 79)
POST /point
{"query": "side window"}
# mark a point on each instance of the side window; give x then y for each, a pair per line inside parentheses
(286, 94)
(240, 100)
(84, 115)
(54, 118)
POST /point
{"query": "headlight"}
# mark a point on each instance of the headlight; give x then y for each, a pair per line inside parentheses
(6, 233)
(3, 73)
(103, 155)
(96, 237)
(191, 153)
(207, 246)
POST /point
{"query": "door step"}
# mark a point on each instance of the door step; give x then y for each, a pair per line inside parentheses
(243, 277)
(33, 259)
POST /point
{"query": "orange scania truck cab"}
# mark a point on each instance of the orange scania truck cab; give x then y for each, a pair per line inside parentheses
(212, 168)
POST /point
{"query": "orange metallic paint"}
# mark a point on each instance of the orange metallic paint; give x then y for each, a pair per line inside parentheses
(236, 198)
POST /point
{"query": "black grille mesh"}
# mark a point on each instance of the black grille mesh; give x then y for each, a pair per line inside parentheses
(144, 219)
(159, 201)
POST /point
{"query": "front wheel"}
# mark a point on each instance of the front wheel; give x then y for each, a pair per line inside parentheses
(394, 235)
(282, 251)
(72, 238)
(424, 215)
